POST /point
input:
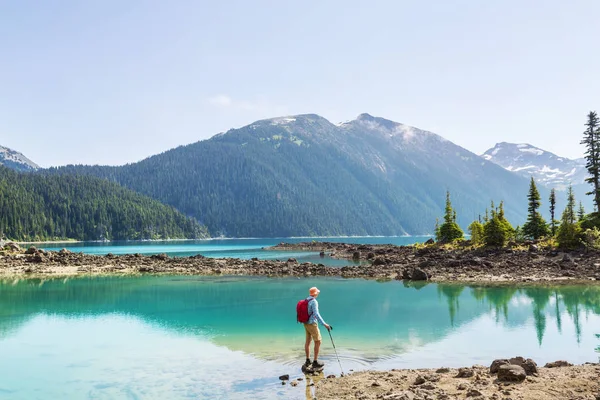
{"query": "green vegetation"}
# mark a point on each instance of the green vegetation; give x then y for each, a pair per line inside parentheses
(497, 231)
(575, 229)
(591, 140)
(553, 212)
(476, 230)
(569, 230)
(48, 207)
(449, 231)
(535, 227)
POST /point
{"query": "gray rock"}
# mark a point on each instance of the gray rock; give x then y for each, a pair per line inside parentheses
(558, 364)
(511, 373)
(285, 377)
(465, 373)
(419, 275)
(379, 261)
(12, 246)
(31, 250)
(474, 393)
(496, 365)
(528, 365)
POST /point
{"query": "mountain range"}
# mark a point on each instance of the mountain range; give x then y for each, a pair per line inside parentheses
(546, 168)
(304, 176)
(15, 160)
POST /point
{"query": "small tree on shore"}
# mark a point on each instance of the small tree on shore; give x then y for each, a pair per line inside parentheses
(569, 230)
(497, 231)
(552, 212)
(449, 230)
(535, 227)
(476, 232)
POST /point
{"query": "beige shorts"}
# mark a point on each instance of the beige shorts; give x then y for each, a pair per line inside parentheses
(312, 331)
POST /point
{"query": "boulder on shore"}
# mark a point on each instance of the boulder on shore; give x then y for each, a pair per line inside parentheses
(12, 246)
(31, 250)
(419, 275)
(558, 364)
(511, 373)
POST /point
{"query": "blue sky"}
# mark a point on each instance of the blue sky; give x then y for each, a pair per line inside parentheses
(111, 82)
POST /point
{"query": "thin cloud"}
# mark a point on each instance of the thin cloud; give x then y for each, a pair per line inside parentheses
(259, 105)
(221, 100)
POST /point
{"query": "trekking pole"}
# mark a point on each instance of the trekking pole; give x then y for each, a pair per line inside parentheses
(334, 349)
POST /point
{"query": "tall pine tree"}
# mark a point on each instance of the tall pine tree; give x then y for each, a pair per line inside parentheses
(591, 140)
(552, 212)
(535, 227)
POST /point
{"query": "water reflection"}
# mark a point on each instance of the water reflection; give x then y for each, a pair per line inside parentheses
(255, 315)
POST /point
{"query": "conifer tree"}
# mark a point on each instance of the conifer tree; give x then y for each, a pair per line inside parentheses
(580, 212)
(535, 227)
(569, 230)
(497, 230)
(591, 140)
(449, 230)
(476, 232)
(552, 212)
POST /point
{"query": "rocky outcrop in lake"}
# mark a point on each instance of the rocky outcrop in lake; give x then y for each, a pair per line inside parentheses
(383, 262)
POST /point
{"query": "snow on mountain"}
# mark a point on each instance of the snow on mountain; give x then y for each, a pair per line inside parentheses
(15, 160)
(545, 167)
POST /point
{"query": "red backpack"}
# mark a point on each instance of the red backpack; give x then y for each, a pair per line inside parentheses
(302, 310)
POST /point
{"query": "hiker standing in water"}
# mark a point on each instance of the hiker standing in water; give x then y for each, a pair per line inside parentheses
(311, 327)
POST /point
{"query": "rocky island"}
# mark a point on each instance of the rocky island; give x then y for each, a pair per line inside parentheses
(534, 264)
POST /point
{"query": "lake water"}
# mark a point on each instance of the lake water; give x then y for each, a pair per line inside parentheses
(171, 337)
(236, 248)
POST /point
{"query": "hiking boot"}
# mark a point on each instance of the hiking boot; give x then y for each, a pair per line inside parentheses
(307, 363)
(317, 364)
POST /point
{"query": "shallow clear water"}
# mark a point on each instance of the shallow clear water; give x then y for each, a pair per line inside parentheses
(231, 337)
(236, 248)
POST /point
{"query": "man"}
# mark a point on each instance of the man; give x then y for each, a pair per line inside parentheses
(312, 329)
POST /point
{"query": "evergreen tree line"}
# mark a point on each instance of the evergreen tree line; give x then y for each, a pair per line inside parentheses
(49, 207)
(575, 228)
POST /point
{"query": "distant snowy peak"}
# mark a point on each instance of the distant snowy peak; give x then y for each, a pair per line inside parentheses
(15, 160)
(545, 167)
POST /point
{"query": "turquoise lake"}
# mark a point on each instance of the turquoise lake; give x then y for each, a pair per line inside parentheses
(172, 337)
(236, 248)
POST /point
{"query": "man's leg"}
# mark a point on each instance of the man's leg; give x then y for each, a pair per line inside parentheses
(317, 347)
(307, 345)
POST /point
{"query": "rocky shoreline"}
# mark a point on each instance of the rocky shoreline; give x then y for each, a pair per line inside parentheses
(533, 265)
(513, 379)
